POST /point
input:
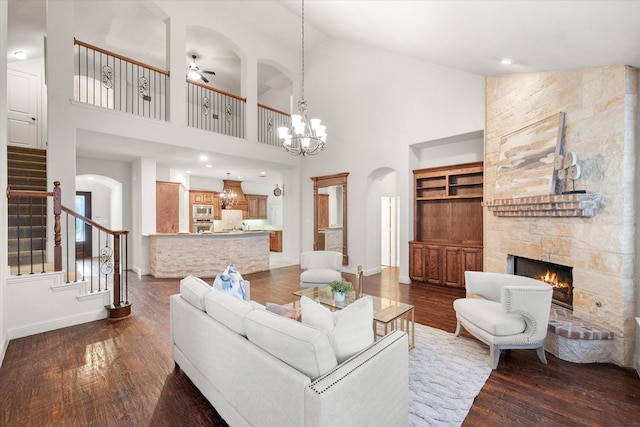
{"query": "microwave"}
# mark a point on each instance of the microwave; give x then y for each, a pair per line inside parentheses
(202, 211)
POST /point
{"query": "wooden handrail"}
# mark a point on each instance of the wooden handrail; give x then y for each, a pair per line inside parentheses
(204, 86)
(266, 107)
(28, 193)
(93, 223)
(124, 58)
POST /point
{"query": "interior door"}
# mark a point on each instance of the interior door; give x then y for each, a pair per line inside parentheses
(22, 109)
(83, 230)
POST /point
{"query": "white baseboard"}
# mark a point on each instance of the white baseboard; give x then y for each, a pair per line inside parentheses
(404, 279)
(3, 349)
(39, 327)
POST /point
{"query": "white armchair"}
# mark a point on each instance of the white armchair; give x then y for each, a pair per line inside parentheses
(321, 267)
(513, 312)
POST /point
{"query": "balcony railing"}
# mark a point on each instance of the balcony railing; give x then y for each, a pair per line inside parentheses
(215, 110)
(109, 80)
(269, 120)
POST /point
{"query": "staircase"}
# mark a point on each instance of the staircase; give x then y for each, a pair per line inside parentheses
(27, 170)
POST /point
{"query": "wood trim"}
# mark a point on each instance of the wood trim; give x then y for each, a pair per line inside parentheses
(93, 223)
(204, 86)
(124, 58)
(273, 109)
(328, 181)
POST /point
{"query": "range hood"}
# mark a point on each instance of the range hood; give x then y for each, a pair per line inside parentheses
(236, 186)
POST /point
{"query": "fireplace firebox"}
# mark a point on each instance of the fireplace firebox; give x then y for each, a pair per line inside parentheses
(560, 277)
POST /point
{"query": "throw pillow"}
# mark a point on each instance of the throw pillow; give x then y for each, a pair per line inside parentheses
(193, 290)
(350, 330)
(291, 313)
(231, 282)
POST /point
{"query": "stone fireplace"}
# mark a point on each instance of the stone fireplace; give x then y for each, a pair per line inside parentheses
(593, 232)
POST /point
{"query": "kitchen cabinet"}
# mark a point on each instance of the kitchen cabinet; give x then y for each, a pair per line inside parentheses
(202, 197)
(275, 241)
(447, 224)
(167, 207)
(256, 206)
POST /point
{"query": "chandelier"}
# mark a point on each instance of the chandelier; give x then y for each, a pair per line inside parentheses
(228, 197)
(305, 136)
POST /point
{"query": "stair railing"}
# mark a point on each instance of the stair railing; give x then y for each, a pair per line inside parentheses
(26, 197)
(109, 268)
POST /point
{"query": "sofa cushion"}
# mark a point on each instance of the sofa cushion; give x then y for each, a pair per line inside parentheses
(193, 290)
(228, 310)
(350, 330)
(320, 275)
(489, 316)
(302, 347)
(231, 282)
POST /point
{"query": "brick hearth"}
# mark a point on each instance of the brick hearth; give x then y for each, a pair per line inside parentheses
(576, 340)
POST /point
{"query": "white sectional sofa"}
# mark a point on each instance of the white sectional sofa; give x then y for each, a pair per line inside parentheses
(261, 369)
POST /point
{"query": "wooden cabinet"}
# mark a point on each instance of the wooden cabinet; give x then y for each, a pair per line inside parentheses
(202, 197)
(275, 241)
(256, 206)
(447, 224)
(167, 207)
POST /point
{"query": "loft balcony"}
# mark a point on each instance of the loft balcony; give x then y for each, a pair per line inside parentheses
(109, 80)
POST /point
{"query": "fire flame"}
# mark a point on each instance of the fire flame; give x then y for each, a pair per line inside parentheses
(552, 279)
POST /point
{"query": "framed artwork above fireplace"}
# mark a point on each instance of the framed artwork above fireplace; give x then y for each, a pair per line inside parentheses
(527, 155)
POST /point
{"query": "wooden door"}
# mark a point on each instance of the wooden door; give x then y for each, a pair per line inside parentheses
(471, 260)
(452, 267)
(262, 207)
(416, 261)
(252, 206)
(323, 211)
(433, 264)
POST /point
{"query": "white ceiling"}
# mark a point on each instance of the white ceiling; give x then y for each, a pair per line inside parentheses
(467, 35)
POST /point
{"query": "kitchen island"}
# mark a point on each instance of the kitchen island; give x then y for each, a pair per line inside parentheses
(178, 255)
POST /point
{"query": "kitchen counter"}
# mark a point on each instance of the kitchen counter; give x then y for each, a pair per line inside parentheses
(177, 255)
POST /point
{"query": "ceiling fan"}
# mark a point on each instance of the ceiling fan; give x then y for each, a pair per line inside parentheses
(195, 73)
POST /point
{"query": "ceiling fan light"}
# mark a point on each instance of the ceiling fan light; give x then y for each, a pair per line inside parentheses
(193, 75)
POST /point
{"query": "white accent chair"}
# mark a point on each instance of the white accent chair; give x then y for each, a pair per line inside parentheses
(321, 267)
(505, 312)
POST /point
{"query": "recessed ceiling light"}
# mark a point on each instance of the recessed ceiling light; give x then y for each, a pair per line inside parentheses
(189, 172)
(204, 158)
(239, 177)
(506, 61)
(20, 54)
(209, 166)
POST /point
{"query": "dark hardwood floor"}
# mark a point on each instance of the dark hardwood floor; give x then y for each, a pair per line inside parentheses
(122, 373)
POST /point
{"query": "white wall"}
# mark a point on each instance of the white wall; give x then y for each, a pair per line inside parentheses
(372, 117)
(4, 339)
(376, 106)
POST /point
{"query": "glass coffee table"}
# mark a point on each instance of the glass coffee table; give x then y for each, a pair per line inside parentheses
(388, 315)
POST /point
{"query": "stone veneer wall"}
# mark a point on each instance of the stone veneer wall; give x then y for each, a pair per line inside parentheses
(601, 113)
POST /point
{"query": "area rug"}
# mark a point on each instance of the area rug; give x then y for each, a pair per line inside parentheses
(446, 373)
